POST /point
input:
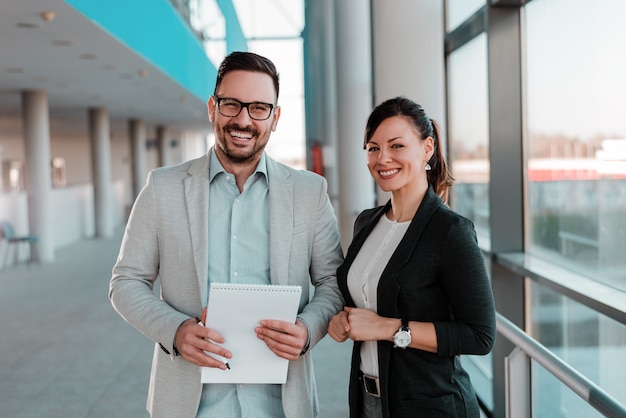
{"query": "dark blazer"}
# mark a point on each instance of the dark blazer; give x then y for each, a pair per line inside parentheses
(436, 274)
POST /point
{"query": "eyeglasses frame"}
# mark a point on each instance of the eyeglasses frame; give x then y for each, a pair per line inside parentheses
(243, 105)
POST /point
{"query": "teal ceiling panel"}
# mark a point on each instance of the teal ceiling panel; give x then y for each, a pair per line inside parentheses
(154, 30)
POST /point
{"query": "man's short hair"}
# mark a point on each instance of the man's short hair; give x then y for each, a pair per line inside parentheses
(247, 61)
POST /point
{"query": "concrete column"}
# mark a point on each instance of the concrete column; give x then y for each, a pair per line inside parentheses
(99, 132)
(321, 88)
(137, 130)
(329, 86)
(163, 146)
(38, 173)
(354, 103)
(313, 56)
(415, 66)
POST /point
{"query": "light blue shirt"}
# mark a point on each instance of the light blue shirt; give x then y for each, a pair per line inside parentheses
(239, 253)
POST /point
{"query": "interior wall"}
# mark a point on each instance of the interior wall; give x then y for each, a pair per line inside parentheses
(11, 138)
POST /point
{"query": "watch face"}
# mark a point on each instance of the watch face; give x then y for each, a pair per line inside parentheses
(402, 339)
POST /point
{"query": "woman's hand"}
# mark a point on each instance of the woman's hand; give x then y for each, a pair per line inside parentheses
(367, 325)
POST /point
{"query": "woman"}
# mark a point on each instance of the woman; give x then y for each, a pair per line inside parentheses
(414, 280)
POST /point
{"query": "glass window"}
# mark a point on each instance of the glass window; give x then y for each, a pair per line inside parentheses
(551, 398)
(468, 140)
(457, 11)
(576, 133)
(590, 342)
(468, 134)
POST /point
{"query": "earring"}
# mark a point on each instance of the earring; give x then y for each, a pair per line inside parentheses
(427, 167)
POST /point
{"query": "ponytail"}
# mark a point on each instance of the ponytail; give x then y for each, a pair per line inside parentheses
(438, 175)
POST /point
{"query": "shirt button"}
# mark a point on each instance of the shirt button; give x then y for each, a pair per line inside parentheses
(235, 236)
(235, 274)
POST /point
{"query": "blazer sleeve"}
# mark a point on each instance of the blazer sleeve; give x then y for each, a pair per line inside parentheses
(465, 281)
(131, 288)
(326, 255)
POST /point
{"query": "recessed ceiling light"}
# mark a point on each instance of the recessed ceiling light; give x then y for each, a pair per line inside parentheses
(47, 16)
(28, 25)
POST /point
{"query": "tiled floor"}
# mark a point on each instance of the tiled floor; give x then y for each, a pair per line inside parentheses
(65, 353)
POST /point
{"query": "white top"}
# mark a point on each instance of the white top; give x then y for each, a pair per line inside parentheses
(364, 275)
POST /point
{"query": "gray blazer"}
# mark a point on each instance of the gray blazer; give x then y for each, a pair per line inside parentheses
(167, 237)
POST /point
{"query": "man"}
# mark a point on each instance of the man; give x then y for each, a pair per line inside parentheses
(233, 215)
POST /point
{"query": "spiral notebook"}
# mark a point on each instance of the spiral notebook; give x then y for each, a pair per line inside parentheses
(234, 310)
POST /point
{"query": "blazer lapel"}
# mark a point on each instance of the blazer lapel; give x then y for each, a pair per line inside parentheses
(389, 284)
(197, 200)
(355, 246)
(361, 235)
(281, 221)
(427, 208)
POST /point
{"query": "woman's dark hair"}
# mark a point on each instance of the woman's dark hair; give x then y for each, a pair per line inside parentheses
(438, 176)
(246, 61)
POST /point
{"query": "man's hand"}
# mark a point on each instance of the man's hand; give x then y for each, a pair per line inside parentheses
(339, 328)
(285, 339)
(192, 340)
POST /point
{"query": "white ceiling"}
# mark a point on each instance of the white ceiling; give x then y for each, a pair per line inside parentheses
(81, 66)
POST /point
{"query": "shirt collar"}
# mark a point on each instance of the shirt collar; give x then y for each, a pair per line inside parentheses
(215, 167)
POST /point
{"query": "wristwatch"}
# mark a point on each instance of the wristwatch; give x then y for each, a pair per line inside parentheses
(402, 337)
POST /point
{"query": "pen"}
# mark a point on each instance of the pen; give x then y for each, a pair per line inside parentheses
(225, 361)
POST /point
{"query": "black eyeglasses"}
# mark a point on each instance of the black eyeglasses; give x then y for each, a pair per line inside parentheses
(232, 107)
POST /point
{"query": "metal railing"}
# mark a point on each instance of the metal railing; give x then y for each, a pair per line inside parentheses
(518, 399)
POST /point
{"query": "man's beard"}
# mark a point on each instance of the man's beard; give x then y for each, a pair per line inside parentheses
(230, 151)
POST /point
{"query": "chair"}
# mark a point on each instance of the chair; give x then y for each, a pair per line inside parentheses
(7, 233)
